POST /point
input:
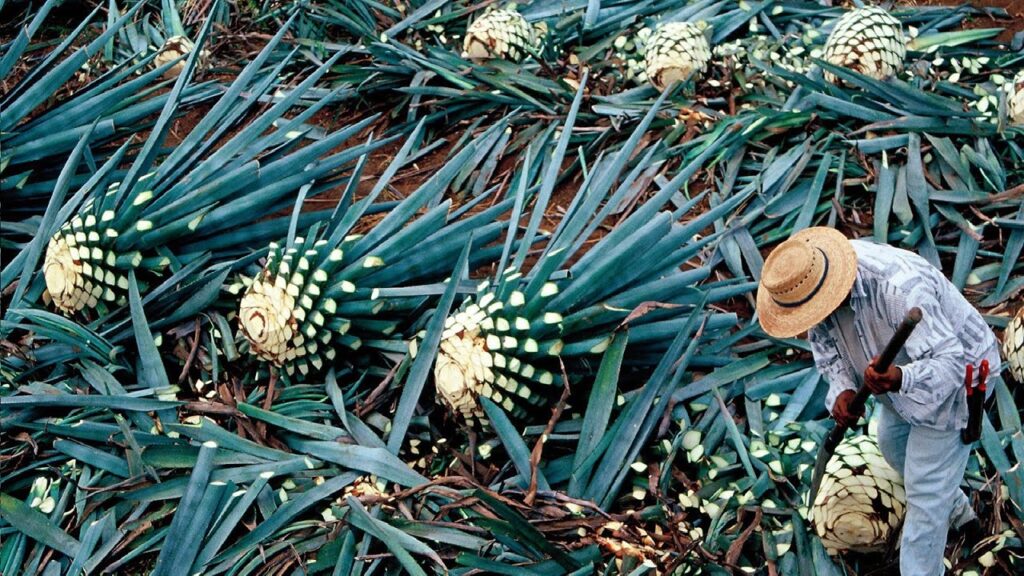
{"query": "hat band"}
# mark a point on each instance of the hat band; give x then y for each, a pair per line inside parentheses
(814, 291)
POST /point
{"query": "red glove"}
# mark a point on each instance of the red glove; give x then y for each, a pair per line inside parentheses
(882, 382)
(841, 409)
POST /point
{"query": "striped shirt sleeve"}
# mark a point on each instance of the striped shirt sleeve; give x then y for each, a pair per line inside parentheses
(825, 350)
(935, 352)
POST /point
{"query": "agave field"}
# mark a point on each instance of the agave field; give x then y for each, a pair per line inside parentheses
(451, 287)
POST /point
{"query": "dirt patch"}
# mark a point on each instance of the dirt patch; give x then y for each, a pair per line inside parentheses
(1015, 9)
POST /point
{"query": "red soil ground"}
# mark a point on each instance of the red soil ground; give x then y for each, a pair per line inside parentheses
(1015, 8)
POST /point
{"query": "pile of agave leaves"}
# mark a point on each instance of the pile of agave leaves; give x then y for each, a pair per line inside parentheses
(143, 433)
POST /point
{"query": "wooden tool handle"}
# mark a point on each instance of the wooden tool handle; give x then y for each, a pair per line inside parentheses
(898, 339)
(884, 361)
(887, 356)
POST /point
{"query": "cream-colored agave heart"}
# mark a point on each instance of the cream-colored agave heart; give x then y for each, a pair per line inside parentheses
(267, 320)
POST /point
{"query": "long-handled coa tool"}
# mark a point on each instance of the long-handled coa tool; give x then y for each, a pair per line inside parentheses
(828, 447)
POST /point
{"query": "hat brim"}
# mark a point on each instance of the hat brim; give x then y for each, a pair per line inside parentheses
(785, 322)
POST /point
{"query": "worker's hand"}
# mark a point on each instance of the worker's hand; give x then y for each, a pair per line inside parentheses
(882, 382)
(842, 411)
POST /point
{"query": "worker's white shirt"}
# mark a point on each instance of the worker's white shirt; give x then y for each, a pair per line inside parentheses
(952, 334)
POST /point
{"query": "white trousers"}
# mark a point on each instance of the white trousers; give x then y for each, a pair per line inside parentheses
(932, 463)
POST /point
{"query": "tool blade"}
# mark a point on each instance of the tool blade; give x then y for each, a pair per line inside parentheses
(824, 455)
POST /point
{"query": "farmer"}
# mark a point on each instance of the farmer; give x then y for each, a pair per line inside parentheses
(850, 295)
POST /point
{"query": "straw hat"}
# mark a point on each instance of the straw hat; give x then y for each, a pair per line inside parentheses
(804, 280)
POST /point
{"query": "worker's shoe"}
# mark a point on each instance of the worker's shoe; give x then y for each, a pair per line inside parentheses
(969, 533)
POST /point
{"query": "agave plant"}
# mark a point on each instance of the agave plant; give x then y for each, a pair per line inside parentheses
(199, 530)
(328, 290)
(185, 200)
(41, 119)
(959, 161)
(504, 342)
(441, 59)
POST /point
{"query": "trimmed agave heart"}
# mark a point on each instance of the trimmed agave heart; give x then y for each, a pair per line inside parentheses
(677, 51)
(1015, 99)
(501, 34)
(861, 501)
(1013, 346)
(494, 346)
(174, 48)
(867, 40)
